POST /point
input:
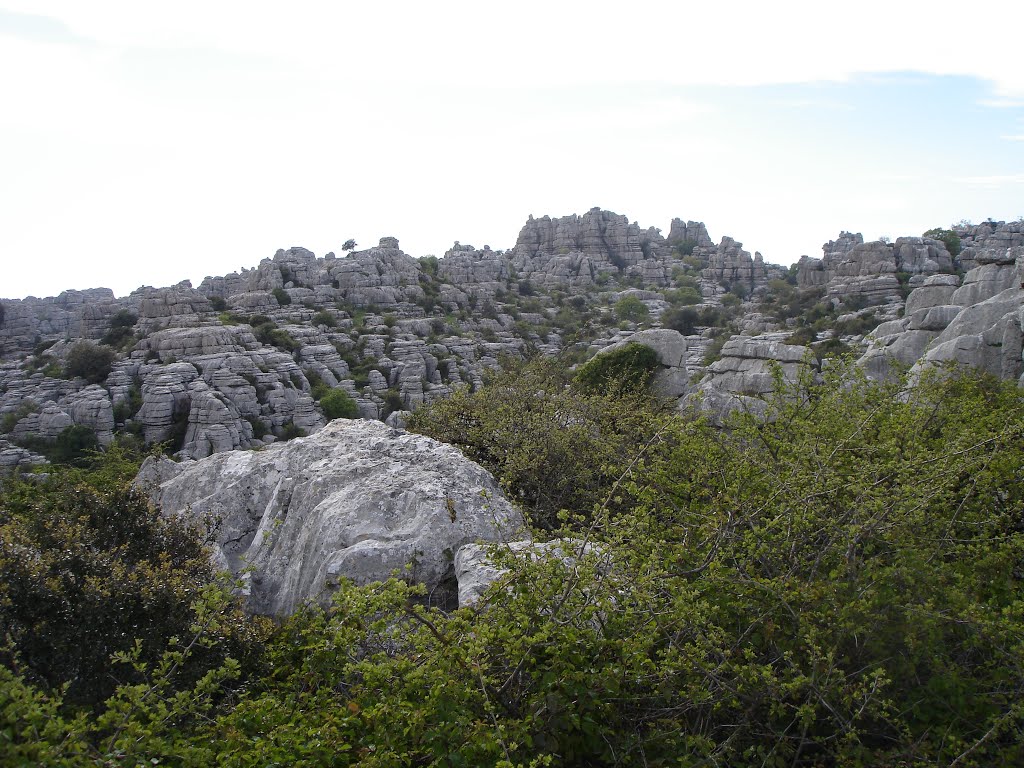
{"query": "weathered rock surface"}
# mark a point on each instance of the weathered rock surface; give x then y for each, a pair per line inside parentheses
(476, 568)
(977, 324)
(14, 459)
(238, 362)
(356, 500)
(744, 375)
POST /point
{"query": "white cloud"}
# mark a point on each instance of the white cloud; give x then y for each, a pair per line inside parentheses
(994, 180)
(566, 43)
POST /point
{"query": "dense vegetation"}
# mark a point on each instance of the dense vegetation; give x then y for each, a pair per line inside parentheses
(838, 585)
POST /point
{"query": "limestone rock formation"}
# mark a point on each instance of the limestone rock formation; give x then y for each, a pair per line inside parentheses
(976, 324)
(15, 459)
(744, 375)
(730, 265)
(357, 500)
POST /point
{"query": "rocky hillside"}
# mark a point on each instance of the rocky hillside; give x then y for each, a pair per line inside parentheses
(276, 351)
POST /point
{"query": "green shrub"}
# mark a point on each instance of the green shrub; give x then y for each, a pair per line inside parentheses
(290, 431)
(630, 309)
(88, 567)
(89, 361)
(10, 420)
(685, 320)
(325, 318)
(74, 445)
(683, 297)
(552, 444)
(120, 335)
(628, 367)
(685, 247)
(218, 304)
(947, 236)
(259, 429)
(337, 404)
(392, 402)
(282, 296)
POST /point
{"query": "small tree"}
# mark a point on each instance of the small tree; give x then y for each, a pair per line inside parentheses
(337, 404)
(631, 309)
(89, 361)
(349, 245)
(947, 236)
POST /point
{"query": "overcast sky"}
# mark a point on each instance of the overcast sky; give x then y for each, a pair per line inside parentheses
(143, 144)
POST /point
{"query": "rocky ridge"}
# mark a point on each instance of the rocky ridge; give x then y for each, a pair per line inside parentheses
(243, 360)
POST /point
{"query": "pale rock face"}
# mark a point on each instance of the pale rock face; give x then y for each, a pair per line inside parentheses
(850, 267)
(16, 459)
(476, 568)
(977, 324)
(730, 264)
(936, 291)
(357, 500)
(214, 424)
(180, 343)
(689, 231)
(165, 398)
(743, 377)
(178, 305)
(92, 408)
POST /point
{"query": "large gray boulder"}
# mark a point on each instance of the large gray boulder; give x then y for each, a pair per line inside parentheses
(357, 500)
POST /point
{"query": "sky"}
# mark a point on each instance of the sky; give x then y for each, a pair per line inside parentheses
(145, 144)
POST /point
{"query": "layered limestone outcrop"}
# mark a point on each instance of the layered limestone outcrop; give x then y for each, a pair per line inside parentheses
(744, 377)
(240, 361)
(358, 500)
(977, 323)
(851, 268)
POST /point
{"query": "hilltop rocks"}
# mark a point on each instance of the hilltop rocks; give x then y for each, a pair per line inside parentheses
(357, 500)
(689, 232)
(976, 324)
(575, 251)
(730, 265)
(852, 268)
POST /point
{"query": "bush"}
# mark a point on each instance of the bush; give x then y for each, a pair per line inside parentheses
(629, 367)
(74, 445)
(947, 236)
(684, 296)
(119, 332)
(392, 403)
(684, 320)
(282, 296)
(88, 568)
(685, 247)
(89, 361)
(337, 404)
(218, 304)
(290, 431)
(325, 318)
(552, 444)
(630, 309)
